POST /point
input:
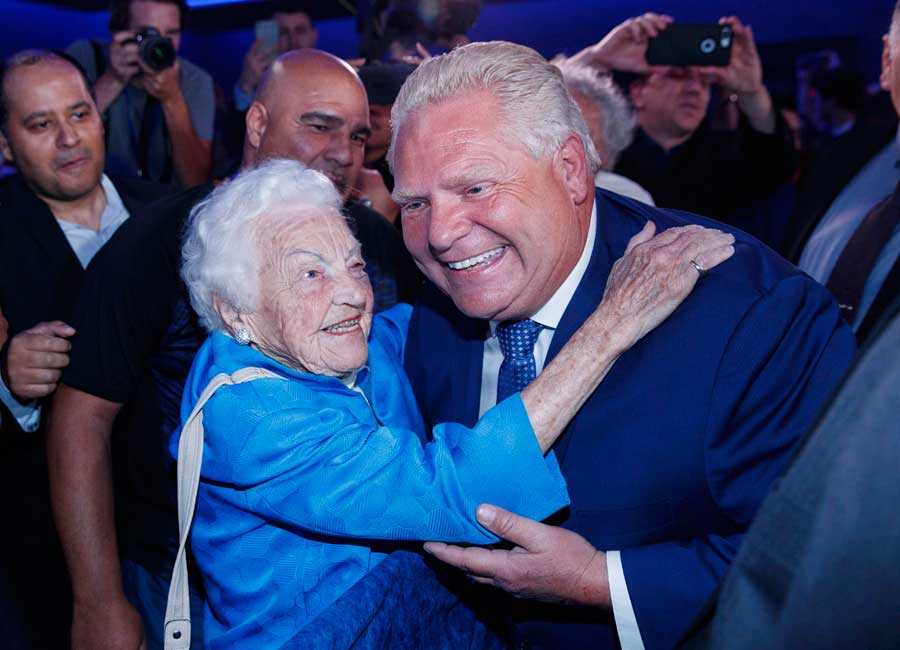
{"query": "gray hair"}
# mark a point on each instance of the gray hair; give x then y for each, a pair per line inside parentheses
(535, 108)
(617, 121)
(219, 256)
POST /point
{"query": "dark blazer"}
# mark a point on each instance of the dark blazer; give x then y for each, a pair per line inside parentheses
(40, 276)
(670, 458)
(820, 567)
(829, 175)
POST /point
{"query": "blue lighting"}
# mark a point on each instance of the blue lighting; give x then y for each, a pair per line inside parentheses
(211, 3)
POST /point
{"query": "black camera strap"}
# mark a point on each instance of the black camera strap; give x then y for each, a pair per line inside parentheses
(152, 114)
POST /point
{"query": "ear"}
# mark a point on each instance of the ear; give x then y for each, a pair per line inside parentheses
(257, 122)
(571, 164)
(232, 318)
(885, 78)
(5, 149)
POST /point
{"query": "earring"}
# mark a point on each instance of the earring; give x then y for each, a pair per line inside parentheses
(242, 336)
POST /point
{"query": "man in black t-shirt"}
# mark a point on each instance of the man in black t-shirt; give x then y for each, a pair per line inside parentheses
(136, 337)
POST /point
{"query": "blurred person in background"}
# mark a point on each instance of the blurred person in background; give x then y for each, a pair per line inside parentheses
(677, 155)
(846, 228)
(610, 121)
(159, 107)
(375, 183)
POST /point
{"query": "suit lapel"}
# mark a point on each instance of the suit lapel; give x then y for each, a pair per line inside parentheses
(608, 240)
(35, 219)
(889, 291)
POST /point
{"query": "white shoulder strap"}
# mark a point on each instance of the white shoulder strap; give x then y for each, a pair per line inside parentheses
(177, 632)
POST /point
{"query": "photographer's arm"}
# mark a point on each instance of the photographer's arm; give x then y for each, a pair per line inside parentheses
(123, 65)
(743, 77)
(191, 154)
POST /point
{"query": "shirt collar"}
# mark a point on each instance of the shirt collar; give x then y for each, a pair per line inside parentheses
(552, 312)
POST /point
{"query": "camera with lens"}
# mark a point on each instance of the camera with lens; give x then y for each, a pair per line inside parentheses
(157, 51)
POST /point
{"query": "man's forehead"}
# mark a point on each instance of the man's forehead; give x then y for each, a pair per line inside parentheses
(42, 82)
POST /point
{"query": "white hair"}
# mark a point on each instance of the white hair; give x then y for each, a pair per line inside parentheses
(220, 257)
(617, 119)
(535, 108)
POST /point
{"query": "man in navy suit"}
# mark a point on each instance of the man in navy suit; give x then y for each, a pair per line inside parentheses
(668, 461)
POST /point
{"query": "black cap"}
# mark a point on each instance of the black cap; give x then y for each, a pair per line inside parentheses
(383, 80)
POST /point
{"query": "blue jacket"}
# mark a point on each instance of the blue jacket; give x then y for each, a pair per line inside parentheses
(670, 458)
(299, 476)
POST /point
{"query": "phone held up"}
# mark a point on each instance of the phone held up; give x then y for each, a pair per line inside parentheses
(682, 44)
(267, 32)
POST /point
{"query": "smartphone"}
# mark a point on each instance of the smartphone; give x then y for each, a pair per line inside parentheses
(680, 44)
(267, 32)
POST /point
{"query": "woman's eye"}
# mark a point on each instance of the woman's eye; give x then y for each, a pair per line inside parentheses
(311, 275)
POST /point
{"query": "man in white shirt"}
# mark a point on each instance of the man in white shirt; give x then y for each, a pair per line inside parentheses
(669, 458)
(55, 215)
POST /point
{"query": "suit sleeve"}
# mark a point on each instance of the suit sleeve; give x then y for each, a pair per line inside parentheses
(783, 361)
(319, 469)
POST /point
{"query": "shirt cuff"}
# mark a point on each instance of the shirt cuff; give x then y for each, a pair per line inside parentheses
(626, 623)
(242, 100)
(27, 415)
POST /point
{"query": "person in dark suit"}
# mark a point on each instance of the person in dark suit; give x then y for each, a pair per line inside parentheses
(55, 214)
(847, 224)
(668, 461)
(820, 566)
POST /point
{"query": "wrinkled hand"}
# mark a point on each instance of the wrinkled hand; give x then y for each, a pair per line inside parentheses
(35, 360)
(655, 275)
(257, 60)
(547, 563)
(625, 47)
(370, 185)
(743, 75)
(106, 625)
(4, 329)
(123, 57)
(165, 84)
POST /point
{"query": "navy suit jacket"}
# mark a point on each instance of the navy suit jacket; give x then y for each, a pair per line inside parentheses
(820, 567)
(672, 455)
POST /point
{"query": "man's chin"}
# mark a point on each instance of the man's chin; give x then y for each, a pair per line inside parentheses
(483, 306)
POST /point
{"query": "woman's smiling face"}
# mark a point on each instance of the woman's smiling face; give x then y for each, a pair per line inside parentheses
(314, 309)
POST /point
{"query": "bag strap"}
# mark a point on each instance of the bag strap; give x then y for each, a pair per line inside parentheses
(177, 633)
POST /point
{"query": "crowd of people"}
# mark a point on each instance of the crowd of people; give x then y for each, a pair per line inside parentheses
(618, 342)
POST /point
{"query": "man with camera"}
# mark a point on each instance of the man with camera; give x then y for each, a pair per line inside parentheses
(159, 107)
(721, 168)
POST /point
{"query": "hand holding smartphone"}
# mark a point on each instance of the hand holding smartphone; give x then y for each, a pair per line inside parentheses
(267, 33)
(691, 45)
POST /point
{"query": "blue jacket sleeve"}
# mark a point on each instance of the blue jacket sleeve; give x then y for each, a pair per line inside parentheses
(319, 469)
(783, 361)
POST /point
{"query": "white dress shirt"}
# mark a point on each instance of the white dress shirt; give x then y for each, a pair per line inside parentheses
(85, 243)
(549, 316)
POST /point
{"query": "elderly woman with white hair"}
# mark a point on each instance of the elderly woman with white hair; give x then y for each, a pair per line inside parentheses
(312, 445)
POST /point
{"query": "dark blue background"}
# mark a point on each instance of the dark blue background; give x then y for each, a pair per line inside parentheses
(784, 29)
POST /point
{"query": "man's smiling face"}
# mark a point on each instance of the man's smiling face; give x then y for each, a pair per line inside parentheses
(494, 228)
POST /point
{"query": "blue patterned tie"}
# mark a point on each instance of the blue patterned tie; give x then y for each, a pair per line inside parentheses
(517, 339)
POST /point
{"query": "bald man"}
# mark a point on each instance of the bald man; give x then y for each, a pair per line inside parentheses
(119, 398)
